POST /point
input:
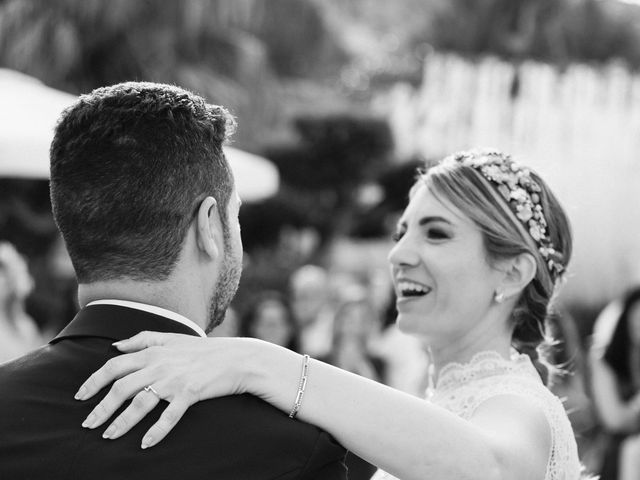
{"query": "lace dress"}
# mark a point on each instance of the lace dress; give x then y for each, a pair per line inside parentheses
(462, 388)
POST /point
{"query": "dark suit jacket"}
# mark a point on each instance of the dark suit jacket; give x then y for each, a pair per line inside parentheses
(235, 437)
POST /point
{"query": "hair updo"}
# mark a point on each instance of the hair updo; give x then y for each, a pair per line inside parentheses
(504, 236)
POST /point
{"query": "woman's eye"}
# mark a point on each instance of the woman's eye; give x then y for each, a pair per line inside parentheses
(397, 236)
(437, 234)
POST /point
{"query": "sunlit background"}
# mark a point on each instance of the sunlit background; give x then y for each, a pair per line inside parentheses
(339, 99)
(338, 102)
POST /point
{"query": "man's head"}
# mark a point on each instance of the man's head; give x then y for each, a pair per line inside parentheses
(131, 165)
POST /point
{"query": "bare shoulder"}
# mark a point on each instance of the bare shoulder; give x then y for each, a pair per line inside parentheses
(519, 432)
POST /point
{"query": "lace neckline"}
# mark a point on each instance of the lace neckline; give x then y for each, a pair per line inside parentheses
(481, 365)
(463, 387)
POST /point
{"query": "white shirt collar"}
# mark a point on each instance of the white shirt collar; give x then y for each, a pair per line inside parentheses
(155, 310)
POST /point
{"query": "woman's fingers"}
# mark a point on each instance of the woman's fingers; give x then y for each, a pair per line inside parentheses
(114, 368)
(120, 391)
(159, 366)
(169, 418)
(120, 366)
(147, 339)
(145, 401)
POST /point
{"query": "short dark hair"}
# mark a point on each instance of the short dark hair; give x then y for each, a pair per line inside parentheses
(130, 163)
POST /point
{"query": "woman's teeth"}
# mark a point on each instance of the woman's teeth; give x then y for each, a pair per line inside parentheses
(411, 289)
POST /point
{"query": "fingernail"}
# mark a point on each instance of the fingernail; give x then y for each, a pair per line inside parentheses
(115, 344)
(109, 432)
(88, 422)
(81, 393)
(146, 442)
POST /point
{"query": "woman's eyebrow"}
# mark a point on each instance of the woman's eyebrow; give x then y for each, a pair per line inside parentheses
(425, 221)
(430, 219)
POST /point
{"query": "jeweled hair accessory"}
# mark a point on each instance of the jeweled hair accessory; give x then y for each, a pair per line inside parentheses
(522, 193)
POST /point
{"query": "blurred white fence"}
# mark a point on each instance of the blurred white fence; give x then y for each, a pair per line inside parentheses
(580, 128)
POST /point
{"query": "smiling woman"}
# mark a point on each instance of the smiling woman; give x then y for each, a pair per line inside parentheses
(442, 276)
(480, 250)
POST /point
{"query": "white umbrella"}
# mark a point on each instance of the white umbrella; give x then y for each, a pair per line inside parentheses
(28, 113)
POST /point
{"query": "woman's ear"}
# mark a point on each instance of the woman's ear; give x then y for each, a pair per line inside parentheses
(518, 273)
(209, 233)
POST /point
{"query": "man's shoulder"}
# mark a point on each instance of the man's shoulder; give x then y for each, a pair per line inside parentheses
(225, 437)
(268, 436)
(10, 368)
(252, 415)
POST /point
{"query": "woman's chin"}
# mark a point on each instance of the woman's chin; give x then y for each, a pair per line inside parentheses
(409, 324)
(420, 325)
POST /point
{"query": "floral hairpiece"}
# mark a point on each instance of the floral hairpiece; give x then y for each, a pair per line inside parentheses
(522, 193)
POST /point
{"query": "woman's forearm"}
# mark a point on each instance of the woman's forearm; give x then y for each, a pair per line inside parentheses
(616, 414)
(399, 433)
(622, 417)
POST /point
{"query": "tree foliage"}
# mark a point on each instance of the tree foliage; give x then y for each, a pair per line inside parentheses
(234, 52)
(557, 31)
(395, 181)
(335, 151)
(322, 172)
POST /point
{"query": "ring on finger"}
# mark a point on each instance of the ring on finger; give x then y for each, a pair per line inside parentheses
(149, 388)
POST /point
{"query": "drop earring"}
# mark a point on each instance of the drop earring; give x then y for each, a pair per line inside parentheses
(499, 297)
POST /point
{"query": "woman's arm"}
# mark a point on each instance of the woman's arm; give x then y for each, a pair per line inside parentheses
(404, 435)
(616, 414)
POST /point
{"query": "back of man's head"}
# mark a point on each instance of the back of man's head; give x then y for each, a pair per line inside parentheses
(130, 164)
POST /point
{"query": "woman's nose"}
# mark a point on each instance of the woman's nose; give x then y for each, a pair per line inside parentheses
(403, 254)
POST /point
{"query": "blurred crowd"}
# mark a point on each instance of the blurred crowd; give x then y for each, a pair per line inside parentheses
(346, 319)
(337, 317)
(18, 331)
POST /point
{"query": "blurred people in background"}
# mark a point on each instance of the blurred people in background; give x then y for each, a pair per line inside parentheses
(18, 331)
(405, 356)
(54, 300)
(230, 327)
(311, 306)
(569, 382)
(355, 326)
(615, 367)
(270, 318)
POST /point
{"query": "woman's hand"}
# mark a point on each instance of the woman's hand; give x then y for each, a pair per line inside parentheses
(163, 366)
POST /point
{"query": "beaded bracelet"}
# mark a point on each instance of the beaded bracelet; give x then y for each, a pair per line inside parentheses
(301, 387)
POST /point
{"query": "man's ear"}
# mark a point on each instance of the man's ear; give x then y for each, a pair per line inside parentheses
(209, 233)
(518, 273)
